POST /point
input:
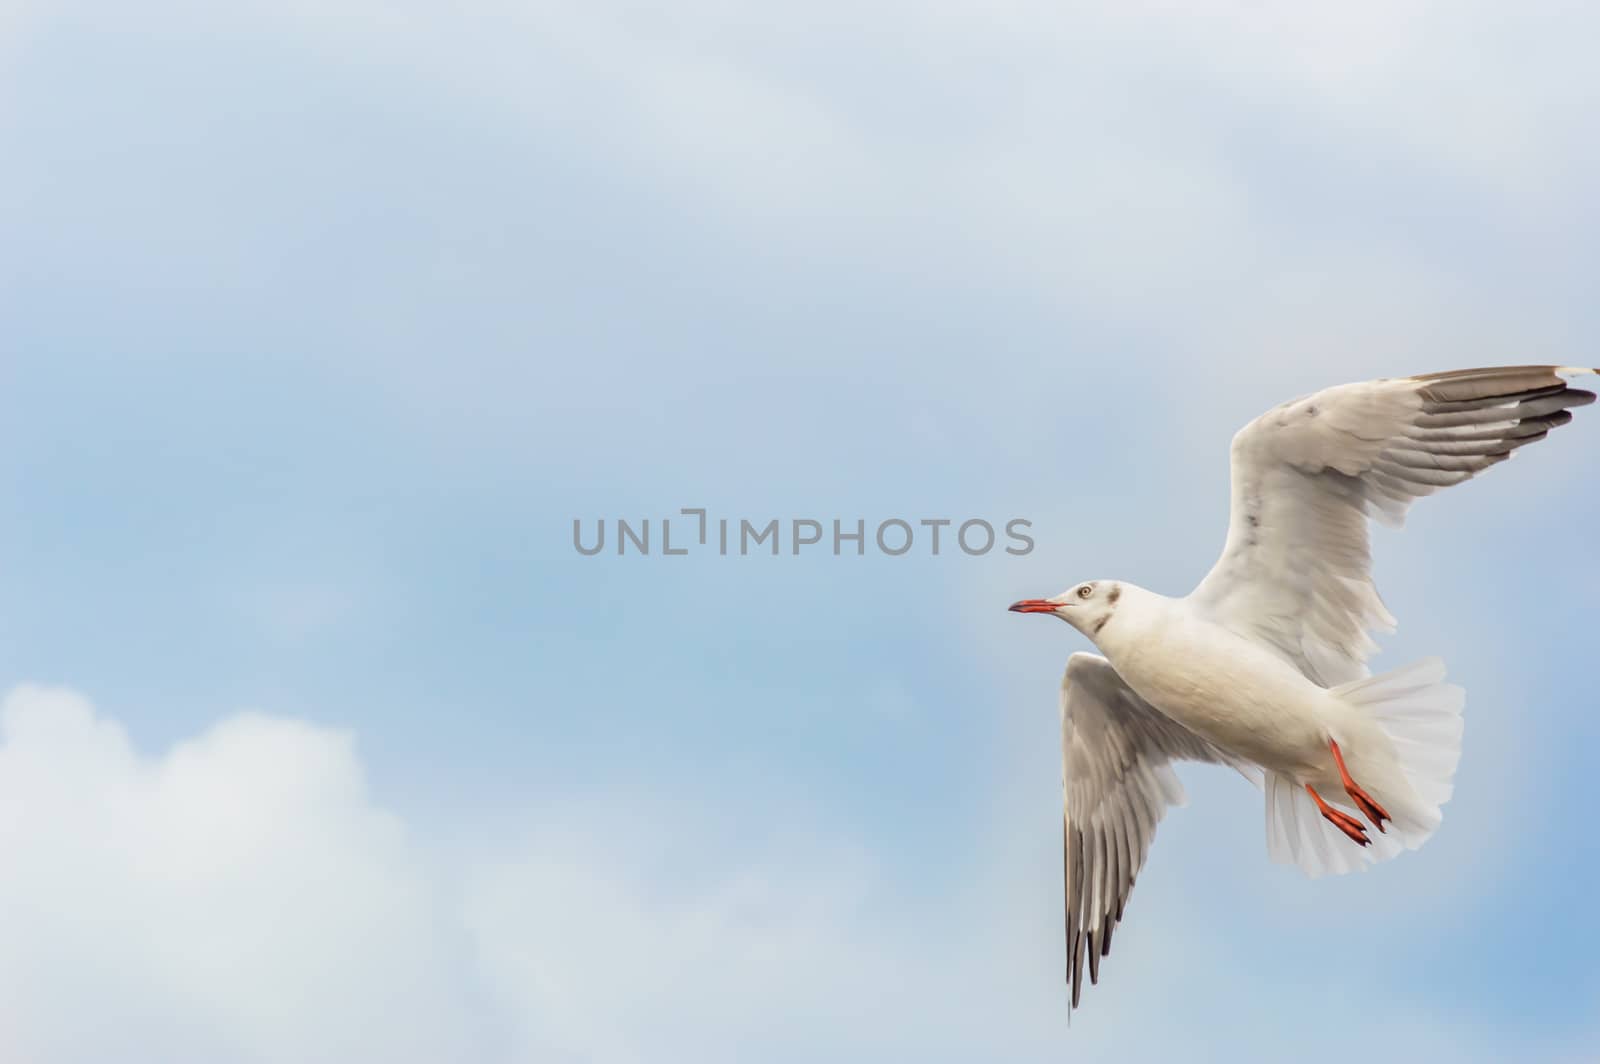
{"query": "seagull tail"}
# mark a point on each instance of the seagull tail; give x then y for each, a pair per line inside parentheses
(1421, 716)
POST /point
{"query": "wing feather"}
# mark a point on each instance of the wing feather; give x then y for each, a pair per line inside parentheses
(1117, 781)
(1296, 571)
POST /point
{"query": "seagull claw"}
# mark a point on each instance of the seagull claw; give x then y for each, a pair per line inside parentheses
(1353, 829)
(1364, 801)
(1370, 809)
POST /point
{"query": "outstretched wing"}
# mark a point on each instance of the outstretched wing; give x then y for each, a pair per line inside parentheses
(1116, 754)
(1296, 572)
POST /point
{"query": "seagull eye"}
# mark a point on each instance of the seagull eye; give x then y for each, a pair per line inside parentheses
(1085, 591)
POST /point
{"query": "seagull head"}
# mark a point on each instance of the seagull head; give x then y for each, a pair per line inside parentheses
(1087, 607)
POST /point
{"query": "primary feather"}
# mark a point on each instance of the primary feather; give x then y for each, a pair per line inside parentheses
(1117, 779)
(1296, 570)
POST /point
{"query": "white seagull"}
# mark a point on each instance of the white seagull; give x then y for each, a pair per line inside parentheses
(1263, 665)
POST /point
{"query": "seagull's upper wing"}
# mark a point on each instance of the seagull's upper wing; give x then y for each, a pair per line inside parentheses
(1116, 754)
(1295, 573)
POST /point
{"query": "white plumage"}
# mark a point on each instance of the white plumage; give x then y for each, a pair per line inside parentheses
(1263, 666)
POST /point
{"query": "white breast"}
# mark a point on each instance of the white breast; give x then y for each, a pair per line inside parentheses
(1224, 688)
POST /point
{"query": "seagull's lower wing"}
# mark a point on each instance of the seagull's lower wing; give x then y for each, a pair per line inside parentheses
(1296, 572)
(1116, 755)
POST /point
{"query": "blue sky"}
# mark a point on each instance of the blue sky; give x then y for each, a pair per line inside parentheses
(319, 324)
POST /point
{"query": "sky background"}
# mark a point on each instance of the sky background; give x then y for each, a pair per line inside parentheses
(321, 322)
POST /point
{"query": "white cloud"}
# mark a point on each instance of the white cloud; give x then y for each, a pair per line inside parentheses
(1288, 185)
(242, 897)
(1128, 128)
(238, 898)
(1252, 187)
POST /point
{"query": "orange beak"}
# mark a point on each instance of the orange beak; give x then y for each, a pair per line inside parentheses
(1033, 606)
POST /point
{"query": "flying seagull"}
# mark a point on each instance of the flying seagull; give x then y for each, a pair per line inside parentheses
(1263, 665)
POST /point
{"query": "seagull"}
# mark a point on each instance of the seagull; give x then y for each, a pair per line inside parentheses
(1262, 667)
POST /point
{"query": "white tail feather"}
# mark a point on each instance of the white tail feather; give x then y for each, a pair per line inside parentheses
(1421, 716)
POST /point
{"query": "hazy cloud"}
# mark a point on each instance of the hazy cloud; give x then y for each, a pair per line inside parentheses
(243, 897)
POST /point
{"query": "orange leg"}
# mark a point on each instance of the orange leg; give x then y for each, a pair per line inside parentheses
(1373, 811)
(1343, 821)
